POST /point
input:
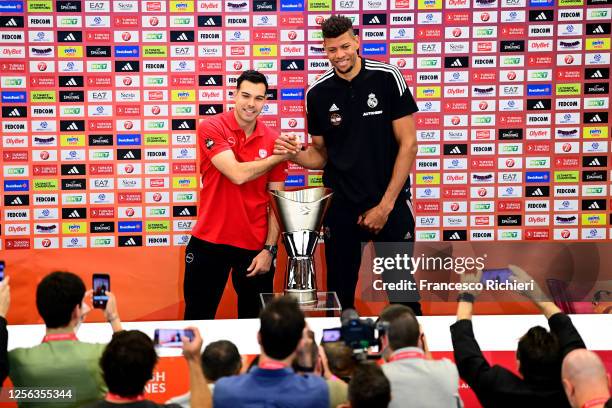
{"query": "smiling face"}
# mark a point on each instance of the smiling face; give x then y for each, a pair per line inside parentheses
(250, 99)
(342, 53)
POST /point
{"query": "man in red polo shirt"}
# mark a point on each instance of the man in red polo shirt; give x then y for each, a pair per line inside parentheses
(235, 230)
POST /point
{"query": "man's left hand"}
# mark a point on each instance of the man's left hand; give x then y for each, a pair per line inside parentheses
(261, 264)
(374, 219)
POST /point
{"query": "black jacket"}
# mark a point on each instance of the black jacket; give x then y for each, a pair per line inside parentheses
(497, 386)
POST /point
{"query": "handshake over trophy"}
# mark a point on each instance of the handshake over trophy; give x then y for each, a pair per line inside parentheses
(300, 216)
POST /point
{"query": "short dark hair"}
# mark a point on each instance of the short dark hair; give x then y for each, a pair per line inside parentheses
(336, 25)
(539, 353)
(282, 323)
(220, 359)
(252, 76)
(403, 329)
(57, 295)
(340, 359)
(369, 388)
(127, 363)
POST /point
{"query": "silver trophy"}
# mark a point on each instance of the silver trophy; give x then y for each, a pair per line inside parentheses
(300, 215)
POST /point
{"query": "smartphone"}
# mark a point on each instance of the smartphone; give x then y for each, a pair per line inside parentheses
(172, 337)
(100, 284)
(1, 271)
(500, 275)
(330, 335)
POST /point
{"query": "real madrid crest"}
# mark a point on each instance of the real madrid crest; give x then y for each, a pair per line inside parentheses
(372, 101)
(335, 119)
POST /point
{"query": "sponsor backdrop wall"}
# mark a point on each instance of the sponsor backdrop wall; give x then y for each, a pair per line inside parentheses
(100, 102)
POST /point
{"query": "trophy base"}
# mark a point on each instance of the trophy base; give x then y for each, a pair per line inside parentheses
(324, 302)
(303, 297)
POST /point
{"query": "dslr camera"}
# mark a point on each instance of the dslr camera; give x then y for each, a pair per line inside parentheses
(361, 335)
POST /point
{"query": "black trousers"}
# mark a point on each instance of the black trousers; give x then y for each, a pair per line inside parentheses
(343, 251)
(207, 268)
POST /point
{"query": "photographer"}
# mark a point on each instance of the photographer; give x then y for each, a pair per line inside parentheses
(61, 358)
(539, 354)
(273, 382)
(416, 379)
(311, 359)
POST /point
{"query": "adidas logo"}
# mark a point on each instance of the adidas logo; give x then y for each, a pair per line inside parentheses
(597, 74)
(73, 170)
(455, 236)
(595, 118)
(130, 242)
(538, 192)
(333, 108)
(539, 105)
(127, 67)
(541, 17)
(293, 65)
(182, 37)
(129, 155)
(211, 81)
(599, 30)
(210, 22)
(211, 111)
(375, 20)
(70, 37)
(184, 125)
(456, 63)
(594, 206)
(455, 150)
(185, 212)
(17, 201)
(74, 214)
(11, 23)
(73, 126)
(14, 112)
(71, 82)
(595, 162)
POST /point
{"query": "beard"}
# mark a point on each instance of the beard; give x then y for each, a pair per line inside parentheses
(346, 71)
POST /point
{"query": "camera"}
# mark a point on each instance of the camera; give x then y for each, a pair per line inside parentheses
(361, 335)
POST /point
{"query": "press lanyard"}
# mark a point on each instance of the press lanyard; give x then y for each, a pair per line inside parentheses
(59, 337)
(406, 354)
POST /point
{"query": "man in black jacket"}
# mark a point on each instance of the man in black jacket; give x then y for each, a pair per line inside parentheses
(539, 355)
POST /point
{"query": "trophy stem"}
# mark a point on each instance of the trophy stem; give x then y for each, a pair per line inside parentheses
(301, 283)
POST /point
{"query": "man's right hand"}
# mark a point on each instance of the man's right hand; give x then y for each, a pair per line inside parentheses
(287, 144)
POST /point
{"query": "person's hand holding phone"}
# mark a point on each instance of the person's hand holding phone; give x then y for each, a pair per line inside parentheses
(521, 276)
(470, 280)
(192, 348)
(111, 311)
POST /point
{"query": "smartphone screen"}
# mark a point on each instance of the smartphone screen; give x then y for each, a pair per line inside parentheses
(500, 275)
(1, 270)
(172, 337)
(100, 284)
(330, 335)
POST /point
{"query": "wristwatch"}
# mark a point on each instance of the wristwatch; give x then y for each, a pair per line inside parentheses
(273, 249)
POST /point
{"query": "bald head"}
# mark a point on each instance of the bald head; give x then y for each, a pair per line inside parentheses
(582, 365)
(584, 377)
